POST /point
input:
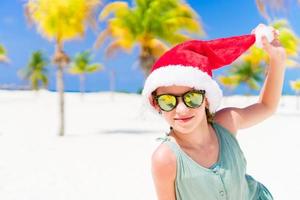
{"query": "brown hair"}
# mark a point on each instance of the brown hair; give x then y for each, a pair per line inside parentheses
(209, 116)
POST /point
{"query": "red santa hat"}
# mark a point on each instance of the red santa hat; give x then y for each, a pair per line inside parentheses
(191, 64)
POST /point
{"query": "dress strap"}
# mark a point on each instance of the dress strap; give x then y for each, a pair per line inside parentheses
(168, 141)
(163, 139)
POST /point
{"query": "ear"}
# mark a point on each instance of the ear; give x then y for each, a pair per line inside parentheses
(157, 108)
(153, 103)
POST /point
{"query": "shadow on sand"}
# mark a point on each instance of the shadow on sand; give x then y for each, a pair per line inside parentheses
(130, 131)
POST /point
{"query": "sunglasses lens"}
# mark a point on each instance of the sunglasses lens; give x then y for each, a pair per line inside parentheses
(193, 99)
(166, 102)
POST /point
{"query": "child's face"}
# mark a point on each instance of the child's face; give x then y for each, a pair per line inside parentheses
(182, 118)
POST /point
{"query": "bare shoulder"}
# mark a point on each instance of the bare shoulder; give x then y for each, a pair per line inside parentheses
(226, 118)
(163, 160)
(164, 172)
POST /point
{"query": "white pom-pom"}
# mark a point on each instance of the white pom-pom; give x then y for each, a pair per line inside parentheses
(263, 30)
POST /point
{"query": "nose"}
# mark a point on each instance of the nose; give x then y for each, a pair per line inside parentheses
(181, 107)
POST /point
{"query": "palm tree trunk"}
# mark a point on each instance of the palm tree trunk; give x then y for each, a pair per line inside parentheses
(147, 59)
(61, 59)
(60, 89)
(112, 80)
(82, 84)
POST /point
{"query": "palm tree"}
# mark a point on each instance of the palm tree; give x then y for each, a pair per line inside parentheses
(266, 6)
(289, 40)
(295, 85)
(151, 24)
(82, 66)
(246, 72)
(229, 82)
(3, 56)
(249, 68)
(60, 21)
(36, 71)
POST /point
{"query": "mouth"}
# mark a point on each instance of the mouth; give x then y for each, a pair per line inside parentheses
(183, 119)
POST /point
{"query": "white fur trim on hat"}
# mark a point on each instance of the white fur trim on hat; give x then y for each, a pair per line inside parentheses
(184, 76)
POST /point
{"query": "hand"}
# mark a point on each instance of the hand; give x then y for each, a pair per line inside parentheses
(274, 49)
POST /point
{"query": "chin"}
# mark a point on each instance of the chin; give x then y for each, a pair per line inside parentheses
(187, 128)
(184, 130)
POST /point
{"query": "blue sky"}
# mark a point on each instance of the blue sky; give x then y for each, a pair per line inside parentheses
(220, 19)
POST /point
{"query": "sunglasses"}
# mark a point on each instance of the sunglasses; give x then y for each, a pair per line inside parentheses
(192, 99)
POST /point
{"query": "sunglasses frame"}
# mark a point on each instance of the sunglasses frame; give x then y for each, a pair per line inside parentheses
(202, 92)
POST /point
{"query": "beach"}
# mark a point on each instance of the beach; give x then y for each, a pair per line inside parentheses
(106, 151)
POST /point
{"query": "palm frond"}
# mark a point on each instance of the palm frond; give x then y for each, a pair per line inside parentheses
(158, 47)
(94, 68)
(75, 70)
(229, 81)
(36, 71)
(262, 9)
(265, 7)
(81, 64)
(116, 45)
(295, 85)
(292, 63)
(168, 21)
(2, 50)
(253, 84)
(101, 38)
(113, 8)
(61, 20)
(3, 54)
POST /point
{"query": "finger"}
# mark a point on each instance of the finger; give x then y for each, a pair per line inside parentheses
(276, 43)
(275, 33)
(259, 26)
(264, 40)
(265, 43)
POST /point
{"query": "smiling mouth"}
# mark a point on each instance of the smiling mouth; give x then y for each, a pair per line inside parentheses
(183, 119)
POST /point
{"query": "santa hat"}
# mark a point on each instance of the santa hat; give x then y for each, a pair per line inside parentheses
(191, 64)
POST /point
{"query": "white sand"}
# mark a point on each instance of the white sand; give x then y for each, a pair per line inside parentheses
(106, 152)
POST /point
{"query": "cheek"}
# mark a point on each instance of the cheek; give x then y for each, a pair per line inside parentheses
(200, 112)
(168, 116)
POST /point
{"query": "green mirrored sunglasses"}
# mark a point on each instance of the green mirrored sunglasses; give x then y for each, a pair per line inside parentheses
(192, 99)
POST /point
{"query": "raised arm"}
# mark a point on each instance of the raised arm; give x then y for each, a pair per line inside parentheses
(164, 172)
(239, 118)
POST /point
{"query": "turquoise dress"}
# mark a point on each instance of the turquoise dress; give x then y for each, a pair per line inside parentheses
(225, 180)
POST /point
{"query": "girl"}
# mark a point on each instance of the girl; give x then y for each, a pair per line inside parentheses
(200, 157)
